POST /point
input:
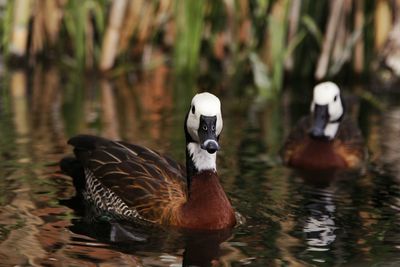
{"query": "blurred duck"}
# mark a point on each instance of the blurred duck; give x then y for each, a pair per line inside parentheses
(134, 183)
(326, 139)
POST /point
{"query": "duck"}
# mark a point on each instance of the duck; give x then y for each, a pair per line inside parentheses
(130, 182)
(326, 139)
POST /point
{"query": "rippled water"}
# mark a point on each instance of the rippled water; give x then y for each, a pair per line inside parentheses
(291, 219)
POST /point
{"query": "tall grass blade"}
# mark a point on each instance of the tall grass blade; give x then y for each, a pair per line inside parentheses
(189, 16)
(312, 28)
(277, 30)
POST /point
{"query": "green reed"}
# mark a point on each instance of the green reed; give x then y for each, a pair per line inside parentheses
(78, 20)
(205, 39)
(189, 16)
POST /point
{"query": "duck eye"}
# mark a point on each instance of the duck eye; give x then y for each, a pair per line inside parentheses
(205, 127)
(193, 109)
(335, 98)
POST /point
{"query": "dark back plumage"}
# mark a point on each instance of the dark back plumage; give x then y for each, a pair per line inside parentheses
(129, 181)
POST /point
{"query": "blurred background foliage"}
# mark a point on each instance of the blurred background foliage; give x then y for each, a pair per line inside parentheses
(267, 42)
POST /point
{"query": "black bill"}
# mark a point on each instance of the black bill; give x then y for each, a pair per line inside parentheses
(207, 133)
(320, 120)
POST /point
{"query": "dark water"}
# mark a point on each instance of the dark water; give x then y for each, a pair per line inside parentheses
(347, 219)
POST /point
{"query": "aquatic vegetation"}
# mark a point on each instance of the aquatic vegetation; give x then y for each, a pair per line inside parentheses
(270, 40)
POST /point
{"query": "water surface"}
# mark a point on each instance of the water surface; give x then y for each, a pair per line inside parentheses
(343, 219)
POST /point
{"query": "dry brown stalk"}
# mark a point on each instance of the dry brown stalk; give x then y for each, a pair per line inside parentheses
(293, 26)
(38, 33)
(130, 23)
(20, 104)
(109, 111)
(342, 34)
(111, 38)
(323, 61)
(382, 23)
(146, 22)
(359, 47)
(244, 31)
(52, 20)
(127, 109)
(20, 29)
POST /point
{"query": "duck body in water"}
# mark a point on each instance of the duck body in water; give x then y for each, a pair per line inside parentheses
(130, 182)
(326, 139)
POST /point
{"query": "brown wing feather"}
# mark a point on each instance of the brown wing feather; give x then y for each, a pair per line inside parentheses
(352, 146)
(144, 179)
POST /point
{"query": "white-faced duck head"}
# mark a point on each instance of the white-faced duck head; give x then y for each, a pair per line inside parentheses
(204, 121)
(327, 110)
(203, 126)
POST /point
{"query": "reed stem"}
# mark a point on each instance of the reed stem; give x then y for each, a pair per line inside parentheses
(110, 42)
(20, 31)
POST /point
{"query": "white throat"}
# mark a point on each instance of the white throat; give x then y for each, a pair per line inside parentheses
(201, 158)
(331, 129)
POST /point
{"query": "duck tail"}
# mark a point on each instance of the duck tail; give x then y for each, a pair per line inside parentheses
(72, 167)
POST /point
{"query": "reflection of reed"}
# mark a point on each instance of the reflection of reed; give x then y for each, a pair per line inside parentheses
(20, 104)
(109, 112)
(285, 242)
(390, 129)
(155, 96)
(281, 192)
(45, 110)
(35, 239)
(128, 112)
(373, 139)
(264, 185)
(21, 245)
(138, 114)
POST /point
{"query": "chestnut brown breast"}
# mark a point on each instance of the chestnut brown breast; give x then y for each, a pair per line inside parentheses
(208, 206)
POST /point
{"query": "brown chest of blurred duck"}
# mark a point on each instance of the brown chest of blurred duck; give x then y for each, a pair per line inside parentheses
(312, 154)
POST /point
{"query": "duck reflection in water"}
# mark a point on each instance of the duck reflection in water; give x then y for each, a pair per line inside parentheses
(200, 248)
(321, 223)
(319, 226)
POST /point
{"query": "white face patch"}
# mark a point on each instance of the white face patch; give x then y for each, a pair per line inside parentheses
(328, 93)
(331, 129)
(205, 104)
(201, 158)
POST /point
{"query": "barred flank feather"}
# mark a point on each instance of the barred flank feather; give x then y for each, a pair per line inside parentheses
(130, 182)
(105, 201)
